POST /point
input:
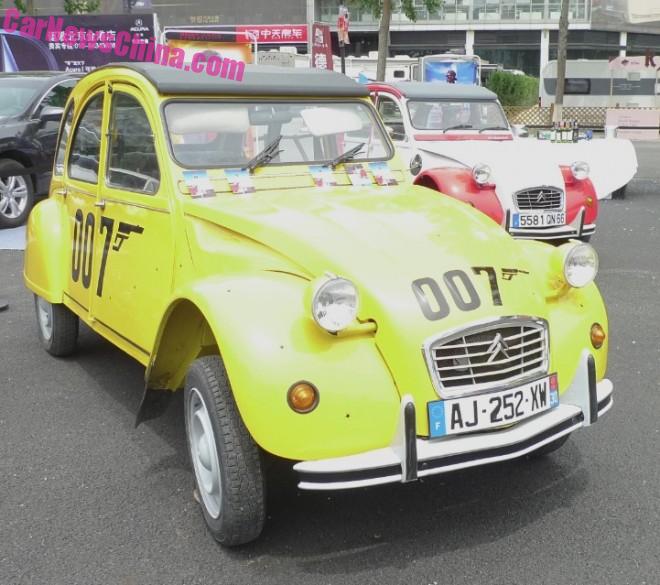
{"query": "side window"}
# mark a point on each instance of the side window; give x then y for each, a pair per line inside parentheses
(86, 148)
(56, 97)
(132, 160)
(392, 117)
(65, 130)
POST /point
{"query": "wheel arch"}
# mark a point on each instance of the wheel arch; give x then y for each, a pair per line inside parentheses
(184, 335)
(23, 159)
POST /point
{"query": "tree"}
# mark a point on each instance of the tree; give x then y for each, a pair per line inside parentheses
(383, 9)
(561, 62)
(81, 6)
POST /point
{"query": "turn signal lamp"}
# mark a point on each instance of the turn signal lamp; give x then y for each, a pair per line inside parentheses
(303, 397)
(598, 335)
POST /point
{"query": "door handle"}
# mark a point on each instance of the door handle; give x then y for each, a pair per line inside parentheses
(61, 192)
(100, 204)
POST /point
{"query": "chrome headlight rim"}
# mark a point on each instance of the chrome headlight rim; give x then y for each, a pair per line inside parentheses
(482, 174)
(586, 251)
(323, 286)
(416, 165)
(580, 170)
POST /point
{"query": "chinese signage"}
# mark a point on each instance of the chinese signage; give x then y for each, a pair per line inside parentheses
(278, 34)
(20, 51)
(321, 46)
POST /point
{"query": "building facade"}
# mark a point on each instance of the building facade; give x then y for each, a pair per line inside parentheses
(519, 34)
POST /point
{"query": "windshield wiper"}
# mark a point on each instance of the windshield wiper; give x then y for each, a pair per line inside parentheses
(348, 155)
(493, 128)
(457, 127)
(265, 156)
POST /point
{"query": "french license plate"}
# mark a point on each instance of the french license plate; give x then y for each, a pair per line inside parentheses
(495, 409)
(543, 219)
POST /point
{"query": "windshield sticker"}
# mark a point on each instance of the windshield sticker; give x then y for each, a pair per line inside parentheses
(322, 176)
(240, 181)
(358, 175)
(382, 173)
(198, 184)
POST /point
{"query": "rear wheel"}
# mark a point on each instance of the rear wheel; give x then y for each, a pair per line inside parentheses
(57, 327)
(226, 460)
(620, 193)
(550, 447)
(16, 194)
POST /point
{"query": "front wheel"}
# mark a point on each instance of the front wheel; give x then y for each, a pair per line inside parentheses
(226, 460)
(57, 327)
(16, 194)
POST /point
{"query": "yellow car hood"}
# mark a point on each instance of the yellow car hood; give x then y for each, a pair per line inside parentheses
(383, 240)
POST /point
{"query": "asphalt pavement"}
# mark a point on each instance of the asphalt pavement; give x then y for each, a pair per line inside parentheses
(85, 498)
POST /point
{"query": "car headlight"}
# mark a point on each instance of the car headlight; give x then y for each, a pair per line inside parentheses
(481, 174)
(416, 165)
(580, 170)
(580, 265)
(335, 303)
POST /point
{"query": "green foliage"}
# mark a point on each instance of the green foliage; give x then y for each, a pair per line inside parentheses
(514, 90)
(81, 6)
(20, 5)
(408, 6)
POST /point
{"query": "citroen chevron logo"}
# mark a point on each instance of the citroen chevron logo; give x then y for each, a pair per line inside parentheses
(499, 346)
(540, 197)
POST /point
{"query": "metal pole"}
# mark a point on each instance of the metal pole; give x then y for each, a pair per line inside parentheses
(342, 54)
(561, 61)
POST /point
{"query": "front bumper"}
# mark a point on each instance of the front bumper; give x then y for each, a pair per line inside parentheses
(576, 229)
(410, 457)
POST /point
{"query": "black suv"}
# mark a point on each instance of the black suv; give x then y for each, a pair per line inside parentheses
(31, 106)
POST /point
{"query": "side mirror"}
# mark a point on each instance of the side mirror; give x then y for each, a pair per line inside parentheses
(520, 131)
(51, 114)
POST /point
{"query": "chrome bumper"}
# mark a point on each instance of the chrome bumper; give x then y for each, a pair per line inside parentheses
(409, 457)
(576, 229)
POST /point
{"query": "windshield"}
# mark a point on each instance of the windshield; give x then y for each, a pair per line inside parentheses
(16, 94)
(231, 134)
(469, 115)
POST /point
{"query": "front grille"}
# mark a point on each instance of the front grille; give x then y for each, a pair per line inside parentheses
(495, 355)
(539, 198)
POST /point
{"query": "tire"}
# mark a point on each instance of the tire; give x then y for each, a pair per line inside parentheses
(57, 327)
(620, 193)
(16, 194)
(549, 448)
(226, 461)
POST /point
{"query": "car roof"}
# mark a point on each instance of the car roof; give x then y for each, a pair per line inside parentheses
(257, 80)
(440, 90)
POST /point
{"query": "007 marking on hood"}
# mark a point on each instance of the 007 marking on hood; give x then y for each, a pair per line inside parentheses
(465, 297)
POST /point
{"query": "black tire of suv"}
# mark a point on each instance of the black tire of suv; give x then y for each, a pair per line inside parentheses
(549, 448)
(7, 168)
(242, 485)
(64, 330)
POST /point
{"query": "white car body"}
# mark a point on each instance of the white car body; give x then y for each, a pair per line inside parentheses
(516, 164)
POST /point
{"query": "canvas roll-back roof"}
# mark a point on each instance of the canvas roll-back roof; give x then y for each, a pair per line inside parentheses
(443, 91)
(259, 80)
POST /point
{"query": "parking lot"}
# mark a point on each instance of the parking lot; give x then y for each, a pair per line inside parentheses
(85, 498)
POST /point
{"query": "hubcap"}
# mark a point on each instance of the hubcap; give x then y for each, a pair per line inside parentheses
(204, 454)
(45, 318)
(13, 196)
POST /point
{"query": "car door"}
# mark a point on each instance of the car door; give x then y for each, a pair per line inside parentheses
(81, 180)
(134, 255)
(390, 111)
